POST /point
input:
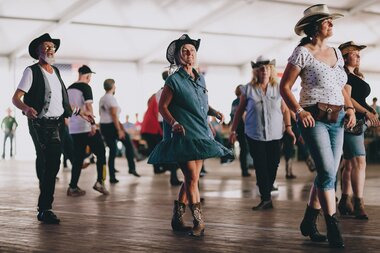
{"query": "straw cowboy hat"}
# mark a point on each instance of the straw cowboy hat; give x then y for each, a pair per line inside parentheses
(348, 46)
(37, 41)
(261, 61)
(175, 45)
(312, 14)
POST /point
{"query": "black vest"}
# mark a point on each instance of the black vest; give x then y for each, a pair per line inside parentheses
(35, 97)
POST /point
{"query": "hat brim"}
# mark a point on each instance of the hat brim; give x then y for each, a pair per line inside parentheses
(36, 42)
(175, 45)
(262, 63)
(306, 20)
(347, 49)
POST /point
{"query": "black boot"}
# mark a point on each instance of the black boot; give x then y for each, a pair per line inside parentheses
(309, 225)
(333, 232)
(177, 220)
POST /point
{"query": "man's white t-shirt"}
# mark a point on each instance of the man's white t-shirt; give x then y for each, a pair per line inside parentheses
(105, 104)
(79, 94)
(56, 105)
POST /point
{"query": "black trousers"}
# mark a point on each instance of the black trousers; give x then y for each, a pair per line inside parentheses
(67, 146)
(152, 140)
(96, 144)
(110, 136)
(266, 155)
(46, 136)
(243, 144)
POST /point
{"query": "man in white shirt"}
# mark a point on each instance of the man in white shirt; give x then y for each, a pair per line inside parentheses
(83, 133)
(46, 104)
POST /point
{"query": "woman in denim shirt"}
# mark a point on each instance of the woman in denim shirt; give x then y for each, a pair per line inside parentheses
(320, 68)
(265, 114)
(187, 137)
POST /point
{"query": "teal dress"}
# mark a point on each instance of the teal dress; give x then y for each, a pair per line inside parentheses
(189, 106)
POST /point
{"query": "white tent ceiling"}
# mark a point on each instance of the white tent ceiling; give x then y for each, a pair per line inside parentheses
(233, 32)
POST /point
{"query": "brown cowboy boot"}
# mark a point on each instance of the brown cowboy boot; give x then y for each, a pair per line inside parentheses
(177, 220)
(345, 206)
(359, 211)
(199, 224)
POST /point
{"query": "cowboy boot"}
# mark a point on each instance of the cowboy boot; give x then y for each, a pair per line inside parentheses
(199, 225)
(334, 235)
(177, 220)
(309, 225)
(345, 205)
(359, 211)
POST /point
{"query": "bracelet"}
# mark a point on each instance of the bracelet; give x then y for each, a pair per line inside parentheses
(299, 110)
(175, 123)
(349, 107)
(288, 126)
(233, 132)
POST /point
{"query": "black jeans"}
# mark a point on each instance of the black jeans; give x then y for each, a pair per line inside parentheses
(97, 147)
(109, 133)
(68, 146)
(266, 155)
(46, 136)
(243, 150)
(152, 140)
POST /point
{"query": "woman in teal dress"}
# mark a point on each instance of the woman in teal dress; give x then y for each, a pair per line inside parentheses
(187, 139)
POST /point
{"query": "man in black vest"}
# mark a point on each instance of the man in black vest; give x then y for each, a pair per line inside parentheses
(46, 104)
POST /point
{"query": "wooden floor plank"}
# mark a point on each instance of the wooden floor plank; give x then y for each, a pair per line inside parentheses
(135, 217)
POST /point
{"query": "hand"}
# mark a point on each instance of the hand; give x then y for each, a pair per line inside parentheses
(178, 128)
(372, 118)
(290, 132)
(351, 119)
(306, 119)
(232, 138)
(93, 130)
(121, 134)
(87, 116)
(220, 117)
(30, 113)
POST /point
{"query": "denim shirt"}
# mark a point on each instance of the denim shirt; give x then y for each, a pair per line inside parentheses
(264, 118)
(189, 105)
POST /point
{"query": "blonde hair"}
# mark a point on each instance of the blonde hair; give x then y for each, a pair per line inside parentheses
(273, 80)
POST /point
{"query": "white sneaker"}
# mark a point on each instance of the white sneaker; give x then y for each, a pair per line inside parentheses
(100, 188)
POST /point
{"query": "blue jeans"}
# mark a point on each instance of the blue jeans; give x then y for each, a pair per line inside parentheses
(325, 142)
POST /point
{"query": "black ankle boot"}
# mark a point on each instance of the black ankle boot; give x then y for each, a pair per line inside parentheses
(309, 225)
(333, 232)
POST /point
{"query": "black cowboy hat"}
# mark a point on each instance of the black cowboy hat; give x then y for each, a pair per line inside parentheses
(37, 41)
(175, 45)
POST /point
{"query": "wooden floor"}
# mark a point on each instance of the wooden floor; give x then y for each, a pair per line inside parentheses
(135, 217)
